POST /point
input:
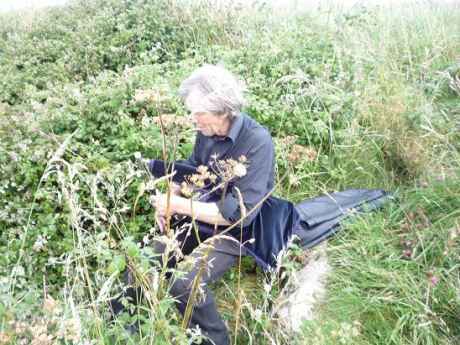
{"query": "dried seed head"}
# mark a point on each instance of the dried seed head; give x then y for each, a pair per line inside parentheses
(301, 153)
(239, 170)
(4, 338)
(186, 190)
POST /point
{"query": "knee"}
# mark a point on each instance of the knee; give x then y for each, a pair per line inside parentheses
(180, 288)
(161, 255)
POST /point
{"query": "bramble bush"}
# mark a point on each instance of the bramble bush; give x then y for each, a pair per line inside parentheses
(365, 98)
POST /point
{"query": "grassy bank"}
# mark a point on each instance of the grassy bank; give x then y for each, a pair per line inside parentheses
(365, 98)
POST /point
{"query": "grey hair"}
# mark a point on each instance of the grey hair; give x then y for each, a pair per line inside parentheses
(214, 89)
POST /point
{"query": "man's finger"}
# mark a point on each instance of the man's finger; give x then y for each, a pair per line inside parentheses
(161, 222)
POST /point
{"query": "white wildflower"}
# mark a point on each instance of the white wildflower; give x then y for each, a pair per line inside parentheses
(40, 243)
(146, 239)
(146, 121)
(258, 314)
(14, 156)
(267, 288)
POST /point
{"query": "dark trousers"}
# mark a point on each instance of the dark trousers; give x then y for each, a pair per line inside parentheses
(210, 261)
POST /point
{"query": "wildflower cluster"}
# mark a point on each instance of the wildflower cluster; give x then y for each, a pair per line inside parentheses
(201, 180)
(230, 168)
(302, 153)
(52, 327)
(222, 172)
(294, 152)
(172, 121)
(149, 96)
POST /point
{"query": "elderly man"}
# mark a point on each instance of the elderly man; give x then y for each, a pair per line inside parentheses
(261, 229)
(215, 99)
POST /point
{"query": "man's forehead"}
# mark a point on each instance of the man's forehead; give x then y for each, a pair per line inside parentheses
(194, 100)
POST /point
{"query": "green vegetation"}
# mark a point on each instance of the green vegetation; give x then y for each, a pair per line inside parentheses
(371, 95)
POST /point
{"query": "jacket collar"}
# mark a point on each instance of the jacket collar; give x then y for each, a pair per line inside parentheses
(236, 127)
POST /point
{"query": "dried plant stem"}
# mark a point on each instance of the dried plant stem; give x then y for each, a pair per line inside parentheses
(239, 297)
(168, 178)
(168, 193)
(195, 286)
(90, 286)
(194, 225)
(196, 280)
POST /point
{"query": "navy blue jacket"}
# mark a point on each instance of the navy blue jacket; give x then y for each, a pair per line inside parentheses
(264, 237)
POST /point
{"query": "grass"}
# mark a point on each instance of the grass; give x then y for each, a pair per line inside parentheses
(371, 93)
(387, 292)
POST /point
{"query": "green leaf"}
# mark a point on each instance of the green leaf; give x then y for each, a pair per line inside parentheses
(118, 264)
(131, 248)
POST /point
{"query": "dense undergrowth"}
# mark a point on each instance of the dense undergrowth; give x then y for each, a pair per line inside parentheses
(366, 98)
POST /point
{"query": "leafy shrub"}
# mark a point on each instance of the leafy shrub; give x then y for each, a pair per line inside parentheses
(362, 99)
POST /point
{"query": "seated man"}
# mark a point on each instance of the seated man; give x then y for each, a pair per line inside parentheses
(214, 98)
(256, 223)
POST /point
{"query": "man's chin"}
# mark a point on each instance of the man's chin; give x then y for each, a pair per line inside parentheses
(205, 133)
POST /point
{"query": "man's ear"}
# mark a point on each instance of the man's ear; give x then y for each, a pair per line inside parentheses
(226, 116)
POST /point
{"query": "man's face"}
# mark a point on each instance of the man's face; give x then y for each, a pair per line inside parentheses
(207, 123)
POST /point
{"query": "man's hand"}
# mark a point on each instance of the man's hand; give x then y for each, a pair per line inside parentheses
(161, 221)
(161, 204)
(206, 212)
(161, 208)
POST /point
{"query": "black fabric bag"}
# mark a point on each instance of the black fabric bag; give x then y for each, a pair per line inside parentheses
(321, 216)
